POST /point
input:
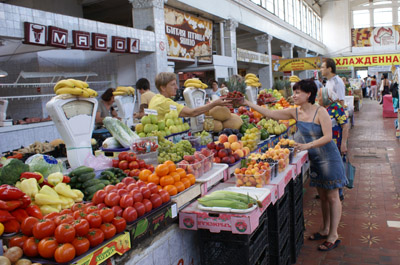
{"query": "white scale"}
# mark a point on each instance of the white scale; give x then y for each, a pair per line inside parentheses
(195, 97)
(74, 119)
(126, 106)
(3, 115)
(251, 93)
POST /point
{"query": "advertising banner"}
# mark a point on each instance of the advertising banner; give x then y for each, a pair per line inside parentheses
(247, 56)
(368, 60)
(375, 36)
(188, 36)
(296, 64)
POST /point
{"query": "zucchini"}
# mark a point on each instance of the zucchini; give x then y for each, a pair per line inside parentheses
(94, 188)
(81, 170)
(85, 177)
(90, 182)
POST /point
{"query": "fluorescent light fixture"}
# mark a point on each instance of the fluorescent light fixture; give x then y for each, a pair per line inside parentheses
(55, 74)
(3, 73)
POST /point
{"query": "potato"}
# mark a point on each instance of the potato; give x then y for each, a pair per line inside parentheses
(24, 262)
(4, 261)
(13, 254)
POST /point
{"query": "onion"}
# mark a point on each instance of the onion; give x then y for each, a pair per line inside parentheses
(13, 254)
(36, 263)
(23, 262)
(4, 261)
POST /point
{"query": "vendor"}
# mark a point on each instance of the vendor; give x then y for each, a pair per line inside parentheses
(167, 86)
(215, 89)
(143, 86)
(105, 108)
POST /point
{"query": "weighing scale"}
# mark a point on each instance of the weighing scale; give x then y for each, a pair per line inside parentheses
(195, 97)
(3, 115)
(74, 119)
(251, 93)
(126, 106)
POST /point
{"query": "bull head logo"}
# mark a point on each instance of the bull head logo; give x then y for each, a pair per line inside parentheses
(37, 31)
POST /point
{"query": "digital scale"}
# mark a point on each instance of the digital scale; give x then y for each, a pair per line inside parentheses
(74, 119)
(126, 106)
(3, 116)
(251, 93)
(195, 97)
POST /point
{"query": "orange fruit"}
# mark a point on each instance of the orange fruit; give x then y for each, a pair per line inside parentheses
(176, 176)
(180, 186)
(181, 172)
(144, 174)
(192, 178)
(171, 189)
(166, 180)
(186, 182)
(154, 179)
(159, 187)
(162, 170)
(171, 166)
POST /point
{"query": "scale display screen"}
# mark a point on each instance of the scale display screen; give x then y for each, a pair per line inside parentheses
(77, 107)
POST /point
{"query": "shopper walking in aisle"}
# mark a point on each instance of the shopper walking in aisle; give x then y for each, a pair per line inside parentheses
(143, 86)
(105, 107)
(327, 171)
(385, 84)
(368, 86)
(374, 89)
(328, 70)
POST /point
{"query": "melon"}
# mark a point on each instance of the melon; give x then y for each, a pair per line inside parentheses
(220, 113)
(234, 122)
(218, 126)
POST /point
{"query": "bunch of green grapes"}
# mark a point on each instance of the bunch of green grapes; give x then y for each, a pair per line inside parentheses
(174, 152)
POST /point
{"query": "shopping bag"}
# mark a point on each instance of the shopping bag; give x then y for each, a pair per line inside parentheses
(350, 171)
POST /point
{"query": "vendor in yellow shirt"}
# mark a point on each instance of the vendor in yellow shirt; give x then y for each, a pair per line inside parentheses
(166, 84)
(143, 86)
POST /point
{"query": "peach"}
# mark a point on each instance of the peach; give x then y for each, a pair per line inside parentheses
(237, 170)
(223, 138)
(235, 145)
(246, 150)
(232, 138)
(227, 145)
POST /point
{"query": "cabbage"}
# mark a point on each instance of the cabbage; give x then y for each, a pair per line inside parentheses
(44, 164)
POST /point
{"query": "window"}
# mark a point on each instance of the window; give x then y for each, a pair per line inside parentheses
(361, 19)
(281, 9)
(289, 12)
(276, 5)
(297, 11)
(270, 6)
(304, 18)
(382, 3)
(309, 22)
(258, 2)
(319, 29)
(313, 27)
(383, 17)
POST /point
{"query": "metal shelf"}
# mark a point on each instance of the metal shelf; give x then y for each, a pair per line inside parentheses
(44, 84)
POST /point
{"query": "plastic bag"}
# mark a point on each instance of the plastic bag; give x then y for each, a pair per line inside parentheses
(98, 162)
(44, 164)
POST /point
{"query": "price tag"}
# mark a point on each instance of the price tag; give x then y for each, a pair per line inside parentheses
(172, 107)
(150, 111)
(200, 119)
(174, 211)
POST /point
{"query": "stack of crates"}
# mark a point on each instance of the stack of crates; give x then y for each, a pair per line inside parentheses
(225, 248)
(278, 231)
(296, 216)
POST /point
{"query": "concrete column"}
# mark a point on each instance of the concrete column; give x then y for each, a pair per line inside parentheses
(302, 53)
(149, 15)
(230, 42)
(264, 46)
(287, 51)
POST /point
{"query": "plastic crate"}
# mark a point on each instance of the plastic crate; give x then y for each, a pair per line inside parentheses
(277, 240)
(283, 257)
(295, 247)
(264, 258)
(222, 248)
(278, 213)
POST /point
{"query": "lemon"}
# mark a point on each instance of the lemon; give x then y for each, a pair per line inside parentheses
(1, 229)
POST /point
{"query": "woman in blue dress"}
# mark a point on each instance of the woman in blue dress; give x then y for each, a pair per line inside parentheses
(327, 171)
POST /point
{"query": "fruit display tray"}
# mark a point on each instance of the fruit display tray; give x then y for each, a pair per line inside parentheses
(184, 197)
(212, 177)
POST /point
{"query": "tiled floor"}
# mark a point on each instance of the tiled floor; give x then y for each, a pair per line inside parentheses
(374, 200)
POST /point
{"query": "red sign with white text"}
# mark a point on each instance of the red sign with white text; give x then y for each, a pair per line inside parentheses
(99, 42)
(81, 40)
(35, 34)
(58, 37)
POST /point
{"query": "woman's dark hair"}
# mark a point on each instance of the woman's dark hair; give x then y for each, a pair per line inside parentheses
(108, 94)
(307, 86)
(143, 83)
(385, 75)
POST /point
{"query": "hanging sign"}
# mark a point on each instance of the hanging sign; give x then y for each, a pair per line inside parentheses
(296, 64)
(375, 36)
(368, 60)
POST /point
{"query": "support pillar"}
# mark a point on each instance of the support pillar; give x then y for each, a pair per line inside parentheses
(265, 73)
(230, 43)
(302, 53)
(287, 51)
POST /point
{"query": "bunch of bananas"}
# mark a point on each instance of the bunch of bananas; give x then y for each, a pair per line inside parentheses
(124, 91)
(252, 80)
(74, 87)
(194, 82)
(294, 79)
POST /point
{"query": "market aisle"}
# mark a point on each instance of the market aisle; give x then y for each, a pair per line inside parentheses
(367, 208)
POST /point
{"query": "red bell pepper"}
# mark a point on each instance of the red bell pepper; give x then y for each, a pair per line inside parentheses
(20, 215)
(45, 182)
(26, 201)
(9, 193)
(10, 205)
(29, 175)
(12, 226)
(5, 216)
(34, 210)
(66, 179)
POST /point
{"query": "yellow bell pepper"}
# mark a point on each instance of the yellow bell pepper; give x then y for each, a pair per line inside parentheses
(65, 190)
(48, 191)
(1, 229)
(30, 187)
(44, 199)
(79, 194)
(46, 209)
(55, 178)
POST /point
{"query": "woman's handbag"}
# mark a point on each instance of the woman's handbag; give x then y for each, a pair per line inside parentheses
(350, 172)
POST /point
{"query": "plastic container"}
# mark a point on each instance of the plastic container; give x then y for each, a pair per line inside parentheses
(208, 124)
(204, 140)
(194, 141)
(145, 145)
(257, 180)
(251, 144)
(196, 169)
(149, 158)
(208, 163)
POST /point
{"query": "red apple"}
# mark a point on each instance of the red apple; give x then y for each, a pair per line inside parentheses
(220, 146)
(222, 153)
(217, 160)
(236, 156)
(233, 160)
(211, 145)
(226, 160)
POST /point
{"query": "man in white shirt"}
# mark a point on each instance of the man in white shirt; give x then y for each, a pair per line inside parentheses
(328, 70)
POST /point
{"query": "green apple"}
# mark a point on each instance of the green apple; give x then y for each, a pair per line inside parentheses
(168, 116)
(176, 121)
(174, 114)
(167, 131)
(139, 128)
(169, 123)
(161, 125)
(180, 121)
(148, 128)
(186, 126)
(145, 120)
(163, 133)
(153, 119)
(142, 134)
(173, 129)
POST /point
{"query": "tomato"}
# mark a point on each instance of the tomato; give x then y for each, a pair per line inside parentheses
(27, 225)
(126, 201)
(128, 180)
(79, 214)
(11, 226)
(132, 186)
(112, 199)
(99, 196)
(95, 236)
(152, 187)
(123, 156)
(101, 205)
(156, 200)
(164, 196)
(91, 209)
(43, 228)
(64, 253)
(94, 220)
(51, 216)
(120, 185)
(127, 171)
(109, 230)
(117, 210)
(115, 162)
(147, 205)
(81, 245)
(64, 219)
(17, 241)
(150, 167)
(47, 246)
(81, 227)
(140, 208)
(89, 204)
(119, 223)
(123, 164)
(145, 192)
(142, 164)
(107, 215)
(109, 188)
(122, 192)
(77, 206)
(131, 157)
(66, 211)
(130, 214)
(137, 196)
(140, 184)
(64, 233)
(30, 247)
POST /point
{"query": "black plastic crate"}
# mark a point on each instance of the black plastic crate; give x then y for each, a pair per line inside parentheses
(283, 258)
(222, 248)
(278, 213)
(296, 216)
(263, 259)
(277, 240)
(295, 246)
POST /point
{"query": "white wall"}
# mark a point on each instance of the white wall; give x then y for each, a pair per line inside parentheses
(65, 7)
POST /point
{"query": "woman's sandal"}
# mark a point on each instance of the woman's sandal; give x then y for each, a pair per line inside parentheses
(329, 245)
(317, 236)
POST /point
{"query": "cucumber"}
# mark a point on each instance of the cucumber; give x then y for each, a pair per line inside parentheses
(74, 179)
(91, 182)
(94, 188)
(105, 182)
(78, 185)
(81, 170)
(86, 176)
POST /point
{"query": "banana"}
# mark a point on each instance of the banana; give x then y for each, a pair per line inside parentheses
(63, 83)
(120, 93)
(123, 89)
(294, 79)
(251, 80)
(85, 93)
(192, 80)
(250, 75)
(92, 92)
(71, 91)
(191, 84)
(204, 86)
(77, 83)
